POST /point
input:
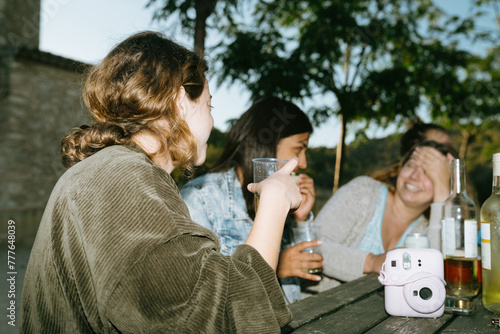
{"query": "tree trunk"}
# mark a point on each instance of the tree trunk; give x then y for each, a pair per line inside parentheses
(468, 135)
(339, 163)
(203, 10)
(463, 144)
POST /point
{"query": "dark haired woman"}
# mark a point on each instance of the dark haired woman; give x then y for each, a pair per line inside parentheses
(220, 201)
(418, 132)
(117, 251)
(371, 215)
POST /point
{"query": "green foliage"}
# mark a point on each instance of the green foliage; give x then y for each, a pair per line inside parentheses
(369, 61)
(320, 164)
(187, 10)
(372, 57)
(478, 162)
(216, 144)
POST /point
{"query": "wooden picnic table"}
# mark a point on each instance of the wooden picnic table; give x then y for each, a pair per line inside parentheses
(358, 307)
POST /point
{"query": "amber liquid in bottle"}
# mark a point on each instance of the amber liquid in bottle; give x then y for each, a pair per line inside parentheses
(461, 276)
(459, 241)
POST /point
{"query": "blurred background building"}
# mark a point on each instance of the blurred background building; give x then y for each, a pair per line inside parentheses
(40, 100)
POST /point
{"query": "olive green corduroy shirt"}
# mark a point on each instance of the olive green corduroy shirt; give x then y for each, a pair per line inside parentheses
(117, 252)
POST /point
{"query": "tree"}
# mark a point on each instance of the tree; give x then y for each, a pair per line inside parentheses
(478, 99)
(364, 61)
(195, 25)
(372, 61)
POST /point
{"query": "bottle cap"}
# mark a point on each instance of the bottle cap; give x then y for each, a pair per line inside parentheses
(496, 164)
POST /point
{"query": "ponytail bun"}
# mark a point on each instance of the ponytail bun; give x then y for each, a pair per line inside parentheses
(86, 140)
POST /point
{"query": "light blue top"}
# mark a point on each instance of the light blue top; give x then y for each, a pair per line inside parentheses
(372, 239)
(215, 200)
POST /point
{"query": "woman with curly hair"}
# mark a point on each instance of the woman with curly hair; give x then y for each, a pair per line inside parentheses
(117, 251)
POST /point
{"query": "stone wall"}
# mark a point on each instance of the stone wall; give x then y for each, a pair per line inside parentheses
(40, 101)
(19, 28)
(43, 105)
(21, 21)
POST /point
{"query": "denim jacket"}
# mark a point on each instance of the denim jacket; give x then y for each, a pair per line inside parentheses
(215, 200)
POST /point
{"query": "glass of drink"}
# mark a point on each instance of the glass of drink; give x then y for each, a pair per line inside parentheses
(262, 169)
(307, 231)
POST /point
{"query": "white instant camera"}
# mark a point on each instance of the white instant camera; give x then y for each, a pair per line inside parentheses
(414, 282)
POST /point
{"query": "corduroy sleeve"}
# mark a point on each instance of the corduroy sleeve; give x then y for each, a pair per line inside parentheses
(185, 285)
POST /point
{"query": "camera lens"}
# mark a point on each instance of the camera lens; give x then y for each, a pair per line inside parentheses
(425, 293)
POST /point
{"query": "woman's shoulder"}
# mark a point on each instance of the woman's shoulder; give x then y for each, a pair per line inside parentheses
(208, 180)
(362, 190)
(210, 185)
(111, 164)
(362, 183)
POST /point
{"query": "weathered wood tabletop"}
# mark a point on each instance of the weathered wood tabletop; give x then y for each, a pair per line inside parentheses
(358, 307)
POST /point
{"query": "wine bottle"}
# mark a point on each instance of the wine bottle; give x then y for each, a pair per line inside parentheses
(459, 238)
(490, 242)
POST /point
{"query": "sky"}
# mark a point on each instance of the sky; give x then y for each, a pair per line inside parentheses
(86, 30)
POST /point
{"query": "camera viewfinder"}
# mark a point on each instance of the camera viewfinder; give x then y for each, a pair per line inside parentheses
(393, 263)
(406, 261)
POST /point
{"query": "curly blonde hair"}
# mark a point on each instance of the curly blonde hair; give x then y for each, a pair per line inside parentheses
(133, 88)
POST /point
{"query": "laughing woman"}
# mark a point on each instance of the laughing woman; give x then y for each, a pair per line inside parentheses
(368, 216)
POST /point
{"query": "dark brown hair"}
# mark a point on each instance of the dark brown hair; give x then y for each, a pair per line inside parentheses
(133, 88)
(417, 133)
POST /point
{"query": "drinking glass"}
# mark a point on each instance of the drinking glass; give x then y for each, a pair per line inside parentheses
(307, 231)
(262, 169)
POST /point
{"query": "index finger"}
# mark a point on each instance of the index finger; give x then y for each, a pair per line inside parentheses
(289, 166)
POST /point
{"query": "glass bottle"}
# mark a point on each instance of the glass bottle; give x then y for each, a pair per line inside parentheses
(459, 238)
(490, 242)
